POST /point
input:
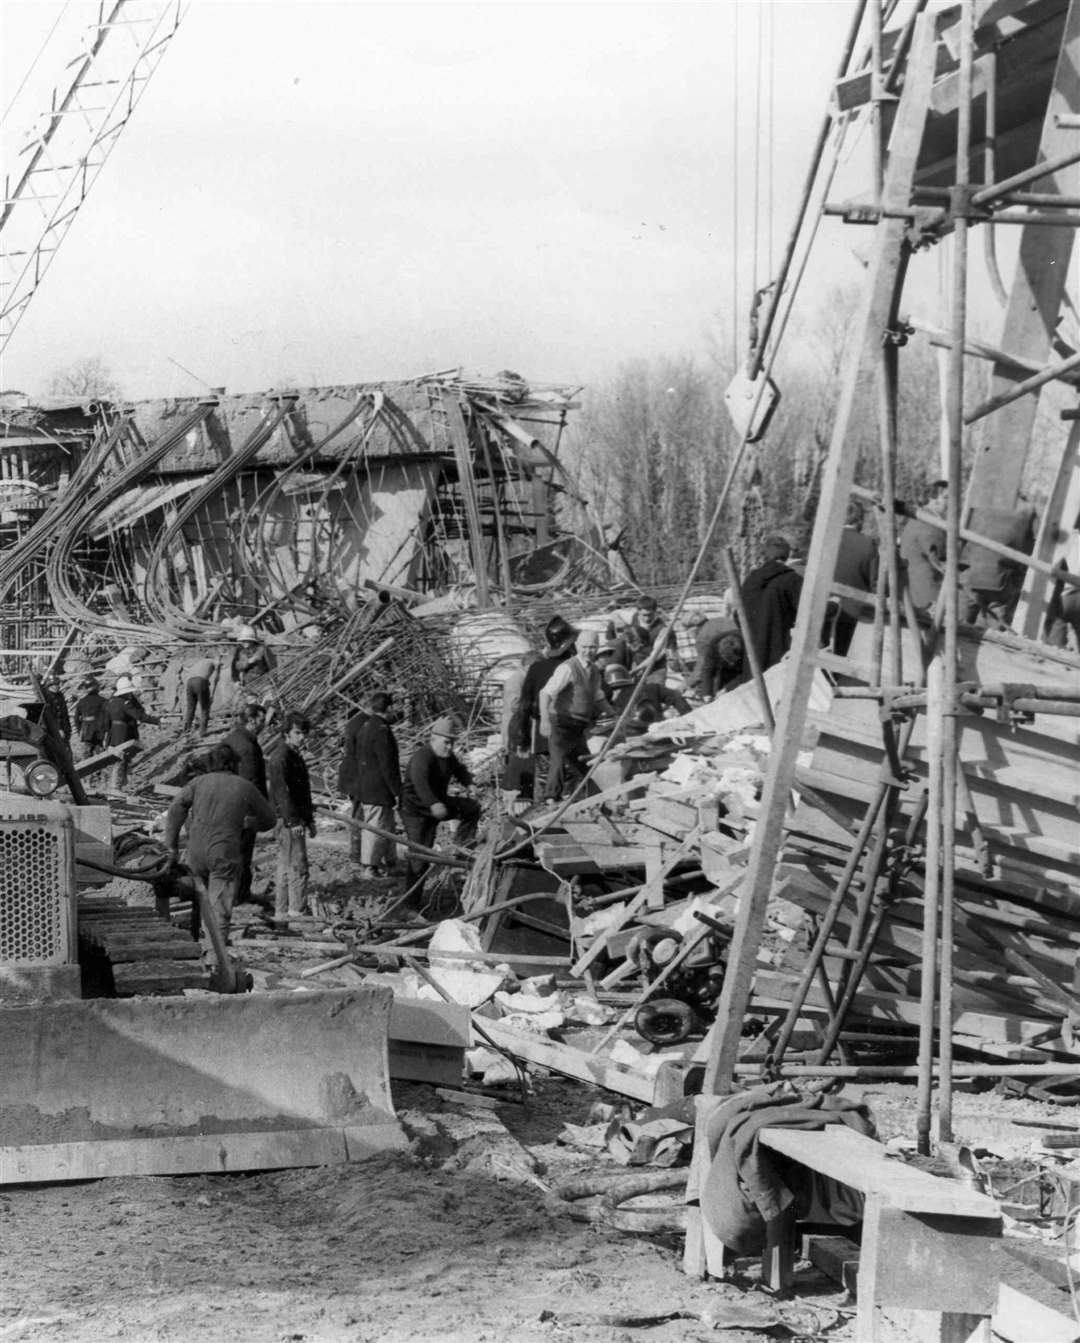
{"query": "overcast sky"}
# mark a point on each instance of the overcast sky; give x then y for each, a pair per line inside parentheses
(337, 192)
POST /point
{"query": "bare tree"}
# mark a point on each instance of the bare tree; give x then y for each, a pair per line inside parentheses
(90, 378)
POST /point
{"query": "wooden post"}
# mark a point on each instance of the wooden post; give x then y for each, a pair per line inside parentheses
(884, 281)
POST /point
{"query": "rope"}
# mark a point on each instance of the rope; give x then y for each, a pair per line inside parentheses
(34, 62)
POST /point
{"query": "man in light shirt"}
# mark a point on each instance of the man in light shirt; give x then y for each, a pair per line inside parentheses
(568, 708)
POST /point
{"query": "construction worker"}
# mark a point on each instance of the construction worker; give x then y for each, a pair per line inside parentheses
(770, 595)
(426, 800)
(290, 796)
(922, 551)
(378, 787)
(125, 713)
(856, 567)
(91, 719)
(569, 704)
(202, 680)
(634, 643)
(220, 810)
(560, 636)
(720, 654)
(349, 774)
(251, 658)
(243, 740)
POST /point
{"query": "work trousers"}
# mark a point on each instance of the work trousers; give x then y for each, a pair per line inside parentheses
(356, 837)
(375, 850)
(221, 890)
(118, 775)
(197, 693)
(291, 882)
(569, 756)
(422, 827)
(83, 750)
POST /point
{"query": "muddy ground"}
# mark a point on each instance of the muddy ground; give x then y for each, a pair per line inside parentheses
(459, 1240)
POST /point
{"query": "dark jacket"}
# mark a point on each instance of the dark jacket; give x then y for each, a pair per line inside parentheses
(428, 778)
(349, 769)
(250, 762)
(246, 666)
(125, 713)
(215, 807)
(289, 784)
(856, 565)
(536, 678)
(91, 718)
(771, 597)
(379, 780)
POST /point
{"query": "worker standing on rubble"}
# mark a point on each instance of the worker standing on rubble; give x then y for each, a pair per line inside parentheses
(569, 704)
(560, 636)
(202, 680)
(378, 788)
(220, 810)
(634, 643)
(290, 796)
(243, 740)
(426, 800)
(856, 567)
(125, 713)
(349, 774)
(770, 596)
(91, 719)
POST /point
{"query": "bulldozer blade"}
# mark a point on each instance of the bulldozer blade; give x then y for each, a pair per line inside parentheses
(167, 1086)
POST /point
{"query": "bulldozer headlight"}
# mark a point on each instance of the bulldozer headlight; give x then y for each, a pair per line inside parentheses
(42, 778)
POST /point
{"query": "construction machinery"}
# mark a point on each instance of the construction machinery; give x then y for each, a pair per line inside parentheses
(173, 1077)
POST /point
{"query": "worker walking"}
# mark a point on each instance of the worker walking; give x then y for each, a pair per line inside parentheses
(290, 796)
(220, 810)
(202, 680)
(378, 788)
(426, 800)
(91, 719)
(125, 713)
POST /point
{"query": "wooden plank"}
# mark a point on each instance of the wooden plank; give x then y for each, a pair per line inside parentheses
(216, 1152)
(651, 1087)
(861, 1163)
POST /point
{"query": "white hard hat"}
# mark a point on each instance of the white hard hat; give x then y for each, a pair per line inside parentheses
(245, 634)
(124, 684)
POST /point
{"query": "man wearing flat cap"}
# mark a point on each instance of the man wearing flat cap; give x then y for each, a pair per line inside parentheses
(426, 800)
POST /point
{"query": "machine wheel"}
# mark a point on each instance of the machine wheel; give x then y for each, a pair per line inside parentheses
(665, 1021)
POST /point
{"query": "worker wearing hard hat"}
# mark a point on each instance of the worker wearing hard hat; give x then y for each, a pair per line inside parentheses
(251, 659)
(125, 713)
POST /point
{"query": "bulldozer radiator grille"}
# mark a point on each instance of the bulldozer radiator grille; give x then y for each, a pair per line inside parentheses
(35, 862)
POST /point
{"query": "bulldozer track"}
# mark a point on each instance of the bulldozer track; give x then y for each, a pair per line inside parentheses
(130, 950)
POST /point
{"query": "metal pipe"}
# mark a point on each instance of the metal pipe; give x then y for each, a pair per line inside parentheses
(999, 189)
(951, 585)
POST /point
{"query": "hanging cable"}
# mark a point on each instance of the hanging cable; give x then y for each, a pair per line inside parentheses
(34, 62)
(735, 249)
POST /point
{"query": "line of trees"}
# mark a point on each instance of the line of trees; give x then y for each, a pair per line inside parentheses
(654, 445)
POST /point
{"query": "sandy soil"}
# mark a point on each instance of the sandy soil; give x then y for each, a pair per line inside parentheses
(395, 1248)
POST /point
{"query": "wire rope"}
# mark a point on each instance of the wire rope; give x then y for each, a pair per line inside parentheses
(34, 63)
